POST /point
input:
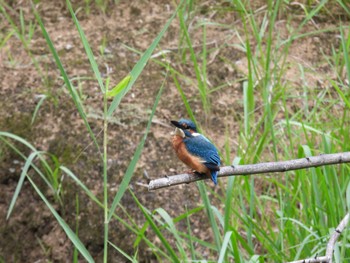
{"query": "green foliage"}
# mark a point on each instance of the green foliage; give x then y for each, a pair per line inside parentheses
(274, 218)
(29, 162)
(119, 92)
(200, 74)
(119, 87)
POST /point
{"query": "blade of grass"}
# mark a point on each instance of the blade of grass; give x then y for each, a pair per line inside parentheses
(210, 214)
(236, 250)
(141, 234)
(248, 89)
(138, 68)
(204, 66)
(169, 221)
(183, 97)
(71, 235)
(248, 104)
(37, 107)
(68, 83)
(87, 48)
(134, 229)
(75, 252)
(80, 183)
(70, 174)
(32, 148)
(341, 94)
(190, 240)
(345, 51)
(268, 87)
(225, 244)
(129, 172)
(228, 200)
(201, 85)
(156, 230)
(26, 166)
(122, 252)
(105, 178)
(5, 39)
(309, 128)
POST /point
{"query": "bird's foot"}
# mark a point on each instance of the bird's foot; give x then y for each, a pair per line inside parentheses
(200, 174)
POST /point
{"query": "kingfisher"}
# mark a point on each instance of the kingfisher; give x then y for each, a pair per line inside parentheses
(195, 150)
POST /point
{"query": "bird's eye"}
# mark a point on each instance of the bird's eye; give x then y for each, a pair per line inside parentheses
(185, 126)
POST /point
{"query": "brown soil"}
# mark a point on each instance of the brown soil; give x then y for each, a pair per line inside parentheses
(32, 233)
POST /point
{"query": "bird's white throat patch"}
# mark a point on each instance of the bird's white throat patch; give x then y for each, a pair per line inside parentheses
(179, 132)
(196, 134)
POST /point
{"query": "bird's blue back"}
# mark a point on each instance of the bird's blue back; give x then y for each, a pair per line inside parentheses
(200, 146)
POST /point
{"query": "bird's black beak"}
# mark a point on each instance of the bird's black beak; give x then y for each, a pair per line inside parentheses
(177, 124)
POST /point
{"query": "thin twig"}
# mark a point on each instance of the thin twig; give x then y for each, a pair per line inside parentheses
(260, 168)
(323, 259)
(331, 243)
(328, 258)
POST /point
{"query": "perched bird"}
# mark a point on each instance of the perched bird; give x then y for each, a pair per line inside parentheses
(195, 150)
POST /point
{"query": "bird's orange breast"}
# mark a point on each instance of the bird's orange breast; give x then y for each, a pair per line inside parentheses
(191, 161)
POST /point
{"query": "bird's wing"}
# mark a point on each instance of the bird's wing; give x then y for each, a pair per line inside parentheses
(203, 148)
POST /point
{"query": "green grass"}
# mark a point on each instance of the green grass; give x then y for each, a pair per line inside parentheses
(265, 218)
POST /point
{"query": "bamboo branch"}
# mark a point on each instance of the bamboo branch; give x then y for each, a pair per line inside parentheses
(328, 258)
(260, 168)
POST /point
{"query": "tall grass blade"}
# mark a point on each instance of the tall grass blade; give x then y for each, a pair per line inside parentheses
(156, 230)
(248, 103)
(130, 259)
(311, 14)
(200, 83)
(77, 216)
(229, 196)
(26, 166)
(210, 214)
(105, 178)
(32, 148)
(309, 128)
(37, 107)
(342, 3)
(345, 43)
(138, 68)
(71, 235)
(184, 98)
(140, 233)
(87, 48)
(129, 172)
(224, 247)
(190, 240)
(19, 139)
(29, 162)
(236, 250)
(169, 221)
(340, 92)
(68, 83)
(81, 184)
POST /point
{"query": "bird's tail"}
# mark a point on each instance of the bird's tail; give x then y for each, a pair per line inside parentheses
(214, 176)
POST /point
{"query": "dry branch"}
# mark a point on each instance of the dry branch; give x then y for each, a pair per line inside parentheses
(328, 258)
(260, 168)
